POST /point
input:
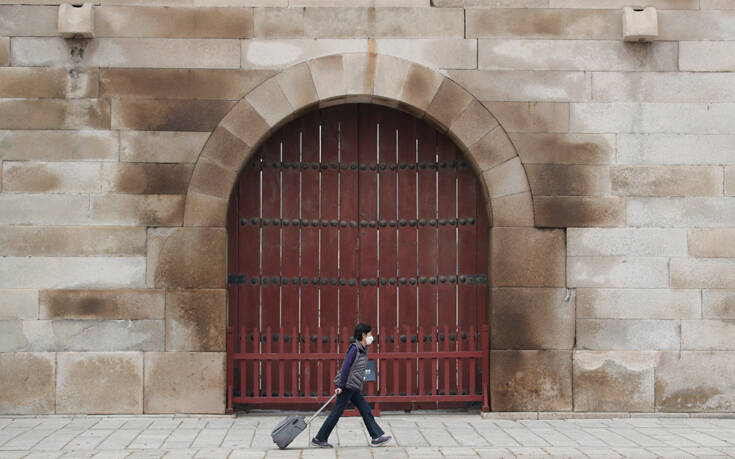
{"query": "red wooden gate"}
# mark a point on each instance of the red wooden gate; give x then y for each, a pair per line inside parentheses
(357, 213)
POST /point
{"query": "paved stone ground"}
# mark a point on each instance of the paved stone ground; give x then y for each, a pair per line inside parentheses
(435, 435)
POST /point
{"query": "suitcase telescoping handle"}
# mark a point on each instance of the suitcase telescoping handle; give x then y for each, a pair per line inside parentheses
(321, 409)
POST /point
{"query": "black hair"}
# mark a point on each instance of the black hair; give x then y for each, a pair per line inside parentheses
(360, 329)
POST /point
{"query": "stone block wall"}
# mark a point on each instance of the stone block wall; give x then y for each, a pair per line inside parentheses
(609, 170)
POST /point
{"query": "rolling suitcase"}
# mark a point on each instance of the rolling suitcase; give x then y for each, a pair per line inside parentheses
(290, 428)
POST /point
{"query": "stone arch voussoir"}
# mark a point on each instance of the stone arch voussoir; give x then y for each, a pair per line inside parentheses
(365, 78)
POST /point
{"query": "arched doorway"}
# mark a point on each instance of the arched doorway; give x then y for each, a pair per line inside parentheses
(356, 213)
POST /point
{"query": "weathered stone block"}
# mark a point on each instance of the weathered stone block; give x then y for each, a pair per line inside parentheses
(527, 257)
(614, 381)
(212, 179)
(420, 87)
(716, 5)
(718, 304)
(543, 23)
(681, 212)
(641, 242)
(138, 210)
(506, 179)
(27, 380)
(513, 210)
(666, 181)
(279, 22)
(177, 22)
(425, 22)
(712, 243)
(695, 381)
(245, 122)
(61, 241)
(730, 181)
(35, 82)
(663, 87)
(161, 147)
(98, 304)
(27, 20)
(199, 3)
(629, 272)
(156, 239)
(58, 145)
(568, 180)
(702, 273)
(628, 334)
(81, 335)
(99, 382)
(225, 149)
(196, 320)
(192, 53)
(340, 22)
(146, 178)
(328, 75)
(56, 177)
(707, 335)
(618, 4)
(104, 335)
(531, 380)
(54, 114)
(444, 53)
(493, 149)
(270, 102)
(707, 56)
(450, 100)
(523, 85)
(284, 53)
(603, 303)
(580, 211)
(205, 210)
(605, 55)
(390, 75)
(16, 304)
(180, 83)
(168, 115)
(619, 117)
(472, 124)
(193, 258)
(360, 3)
(543, 148)
(40, 209)
(4, 51)
(297, 84)
(88, 177)
(532, 318)
(185, 382)
(67, 272)
(675, 149)
(531, 116)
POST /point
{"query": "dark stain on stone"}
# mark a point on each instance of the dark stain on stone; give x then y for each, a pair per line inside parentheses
(563, 211)
(172, 115)
(154, 178)
(202, 314)
(529, 381)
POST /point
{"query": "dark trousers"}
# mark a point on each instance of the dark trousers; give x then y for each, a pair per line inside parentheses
(339, 407)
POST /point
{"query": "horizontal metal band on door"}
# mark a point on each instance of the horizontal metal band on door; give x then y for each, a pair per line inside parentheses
(372, 282)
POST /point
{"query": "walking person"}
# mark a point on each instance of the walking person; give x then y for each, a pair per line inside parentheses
(349, 384)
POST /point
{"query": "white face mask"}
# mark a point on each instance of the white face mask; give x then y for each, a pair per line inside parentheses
(369, 339)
